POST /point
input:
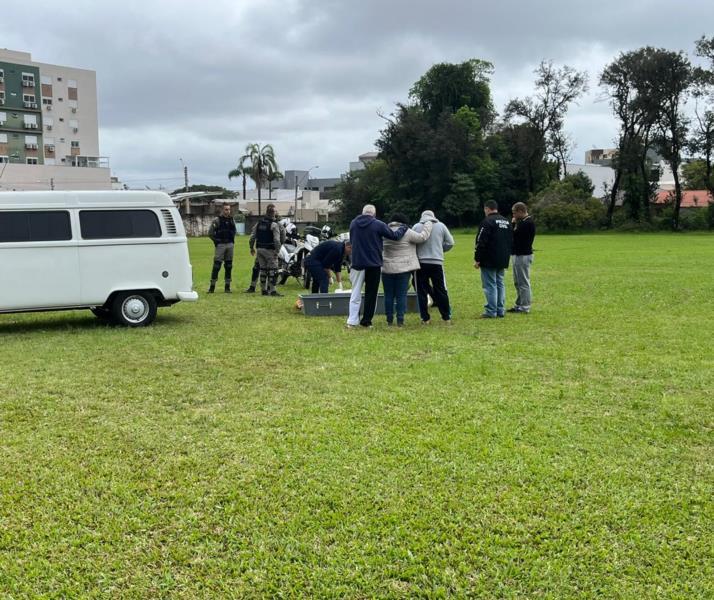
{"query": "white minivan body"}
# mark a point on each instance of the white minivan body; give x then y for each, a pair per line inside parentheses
(119, 253)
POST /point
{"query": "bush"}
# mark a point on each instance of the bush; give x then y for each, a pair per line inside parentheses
(710, 215)
(562, 207)
(693, 219)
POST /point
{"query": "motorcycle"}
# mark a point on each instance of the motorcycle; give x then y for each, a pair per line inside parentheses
(290, 260)
(311, 239)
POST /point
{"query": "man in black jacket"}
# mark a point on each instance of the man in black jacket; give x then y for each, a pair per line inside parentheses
(223, 233)
(493, 252)
(523, 236)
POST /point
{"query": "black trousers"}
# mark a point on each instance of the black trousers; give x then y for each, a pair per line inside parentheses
(372, 277)
(430, 280)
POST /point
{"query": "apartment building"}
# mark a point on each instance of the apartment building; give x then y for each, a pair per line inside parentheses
(49, 132)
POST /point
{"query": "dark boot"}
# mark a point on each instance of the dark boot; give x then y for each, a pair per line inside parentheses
(227, 289)
(212, 287)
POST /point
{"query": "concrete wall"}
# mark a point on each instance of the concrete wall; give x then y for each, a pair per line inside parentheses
(40, 177)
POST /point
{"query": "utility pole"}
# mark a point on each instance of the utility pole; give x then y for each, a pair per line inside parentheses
(185, 186)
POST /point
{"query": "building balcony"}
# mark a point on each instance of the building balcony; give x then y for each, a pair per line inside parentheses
(92, 162)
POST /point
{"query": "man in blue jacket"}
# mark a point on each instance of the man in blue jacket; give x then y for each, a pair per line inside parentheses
(366, 234)
(325, 259)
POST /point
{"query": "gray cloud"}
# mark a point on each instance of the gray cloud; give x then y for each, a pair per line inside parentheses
(201, 80)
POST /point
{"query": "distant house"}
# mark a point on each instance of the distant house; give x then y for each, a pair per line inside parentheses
(690, 198)
(602, 177)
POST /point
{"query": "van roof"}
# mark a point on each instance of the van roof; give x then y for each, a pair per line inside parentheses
(84, 199)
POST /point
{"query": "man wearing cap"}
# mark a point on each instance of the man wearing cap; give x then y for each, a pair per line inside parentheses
(366, 235)
(430, 278)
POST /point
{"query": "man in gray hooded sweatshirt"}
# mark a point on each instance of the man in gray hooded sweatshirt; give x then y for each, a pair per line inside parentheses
(430, 278)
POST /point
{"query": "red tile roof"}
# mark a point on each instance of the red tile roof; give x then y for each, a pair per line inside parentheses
(690, 198)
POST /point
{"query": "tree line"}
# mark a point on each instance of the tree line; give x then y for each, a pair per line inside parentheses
(448, 149)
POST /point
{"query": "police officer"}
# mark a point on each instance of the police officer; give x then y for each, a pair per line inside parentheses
(288, 231)
(223, 234)
(267, 236)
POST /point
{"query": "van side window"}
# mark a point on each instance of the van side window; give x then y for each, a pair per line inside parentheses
(35, 226)
(112, 224)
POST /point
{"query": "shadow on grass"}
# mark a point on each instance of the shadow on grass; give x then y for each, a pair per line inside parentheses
(62, 321)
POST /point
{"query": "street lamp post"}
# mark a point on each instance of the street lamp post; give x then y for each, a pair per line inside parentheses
(297, 182)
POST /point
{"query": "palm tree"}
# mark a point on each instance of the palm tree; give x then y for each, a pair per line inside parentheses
(262, 162)
(242, 170)
(273, 175)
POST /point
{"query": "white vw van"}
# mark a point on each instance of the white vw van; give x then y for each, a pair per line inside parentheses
(120, 254)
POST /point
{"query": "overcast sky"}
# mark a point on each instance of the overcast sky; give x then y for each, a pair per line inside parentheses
(200, 80)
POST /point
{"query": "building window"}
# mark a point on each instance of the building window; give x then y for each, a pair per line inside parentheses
(74, 144)
(31, 142)
(35, 226)
(3, 138)
(74, 125)
(4, 159)
(45, 80)
(30, 121)
(29, 101)
(3, 118)
(2, 97)
(31, 161)
(28, 80)
(113, 224)
(49, 122)
(2, 75)
(47, 101)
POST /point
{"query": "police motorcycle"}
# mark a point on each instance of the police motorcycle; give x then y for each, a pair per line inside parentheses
(291, 253)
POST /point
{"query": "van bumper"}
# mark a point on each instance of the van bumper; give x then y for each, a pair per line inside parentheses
(187, 296)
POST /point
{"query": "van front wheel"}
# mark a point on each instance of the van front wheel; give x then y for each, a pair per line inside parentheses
(134, 309)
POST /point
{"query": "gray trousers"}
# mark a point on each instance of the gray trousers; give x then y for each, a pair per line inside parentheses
(522, 280)
(268, 263)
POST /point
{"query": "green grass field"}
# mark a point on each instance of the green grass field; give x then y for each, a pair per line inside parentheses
(238, 449)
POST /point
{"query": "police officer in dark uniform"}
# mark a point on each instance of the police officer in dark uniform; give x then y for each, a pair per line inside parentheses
(223, 234)
(267, 237)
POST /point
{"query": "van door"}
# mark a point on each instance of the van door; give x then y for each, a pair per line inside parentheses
(120, 249)
(39, 263)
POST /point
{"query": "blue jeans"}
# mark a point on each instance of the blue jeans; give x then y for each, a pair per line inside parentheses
(320, 278)
(494, 289)
(395, 290)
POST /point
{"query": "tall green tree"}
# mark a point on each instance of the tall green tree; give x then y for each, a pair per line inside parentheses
(462, 200)
(447, 87)
(544, 112)
(632, 86)
(702, 141)
(675, 78)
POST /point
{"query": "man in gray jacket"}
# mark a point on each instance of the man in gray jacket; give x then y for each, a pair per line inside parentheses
(430, 278)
